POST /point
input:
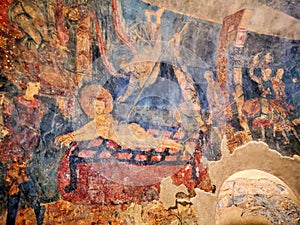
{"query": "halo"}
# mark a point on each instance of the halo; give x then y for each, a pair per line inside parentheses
(91, 92)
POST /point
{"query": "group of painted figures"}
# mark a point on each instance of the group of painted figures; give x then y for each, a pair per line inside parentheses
(43, 50)
(270, 110)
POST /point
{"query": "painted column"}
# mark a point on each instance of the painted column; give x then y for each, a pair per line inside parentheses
(233, 33)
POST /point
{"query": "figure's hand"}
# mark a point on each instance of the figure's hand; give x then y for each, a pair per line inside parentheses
(121, 99)
(168, 143)
(64, 140)
(296, 121)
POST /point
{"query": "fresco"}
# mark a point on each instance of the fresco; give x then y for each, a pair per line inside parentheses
(102, 101)
(253, 196)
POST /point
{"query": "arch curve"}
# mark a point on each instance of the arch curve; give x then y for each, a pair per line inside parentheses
(256, 197)
(254, 183)
(257, 156)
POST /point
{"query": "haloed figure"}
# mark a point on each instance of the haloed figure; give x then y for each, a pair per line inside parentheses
(106, 126)
(22, 118)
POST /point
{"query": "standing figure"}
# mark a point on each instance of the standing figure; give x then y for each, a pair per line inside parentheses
(22, 118)
(265, 88)
(281, 120)
(39, 51)
(278, 85)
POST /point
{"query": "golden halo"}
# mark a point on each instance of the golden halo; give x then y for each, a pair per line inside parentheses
(90, 93)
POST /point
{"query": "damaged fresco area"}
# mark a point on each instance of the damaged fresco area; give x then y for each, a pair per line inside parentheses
(112, 112)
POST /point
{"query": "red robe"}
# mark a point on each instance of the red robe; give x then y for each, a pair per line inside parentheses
(22, 118)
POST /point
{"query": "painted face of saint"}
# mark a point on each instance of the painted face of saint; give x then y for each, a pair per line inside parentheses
(99, 107)
(33, 88)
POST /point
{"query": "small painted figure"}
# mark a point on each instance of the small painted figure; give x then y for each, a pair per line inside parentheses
(39, 53)
(278, 85)
(279, 89)
(22, 118)
(282, 109)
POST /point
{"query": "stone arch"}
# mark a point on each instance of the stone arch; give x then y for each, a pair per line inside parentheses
(257, 155)
(256, 197)
(251, 166)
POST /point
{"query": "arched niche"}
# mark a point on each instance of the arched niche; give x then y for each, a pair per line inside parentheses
(255, 163)
(256, 156)
(256, 197)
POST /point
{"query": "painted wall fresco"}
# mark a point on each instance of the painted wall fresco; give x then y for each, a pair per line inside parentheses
(259, 192)
(101, 101)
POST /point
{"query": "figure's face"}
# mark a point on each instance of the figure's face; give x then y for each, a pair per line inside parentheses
(33, 88)
(268, 57)
(280, 73)
(99, 107)
(268, 72)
